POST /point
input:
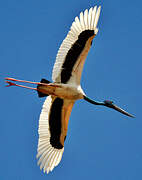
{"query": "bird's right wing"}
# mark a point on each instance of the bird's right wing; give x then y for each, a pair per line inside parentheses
(53, 125)
(75, 47)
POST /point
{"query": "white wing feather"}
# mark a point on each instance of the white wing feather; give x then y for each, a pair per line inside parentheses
(49, 157)
(87, 21)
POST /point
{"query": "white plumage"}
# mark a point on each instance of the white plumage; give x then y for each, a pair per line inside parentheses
(49, 156)
(86, 22)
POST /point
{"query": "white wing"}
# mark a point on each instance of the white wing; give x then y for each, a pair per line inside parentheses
(74, 49)
(52, 131)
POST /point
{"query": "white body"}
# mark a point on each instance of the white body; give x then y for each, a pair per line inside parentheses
(63, 91)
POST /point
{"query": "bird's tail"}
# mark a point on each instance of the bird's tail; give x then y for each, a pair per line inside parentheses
(40, 94)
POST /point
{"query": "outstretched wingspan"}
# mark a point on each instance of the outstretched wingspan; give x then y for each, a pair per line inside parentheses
(53, 125)
(75, 47)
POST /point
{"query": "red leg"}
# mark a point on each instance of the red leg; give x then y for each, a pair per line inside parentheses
(12, 79)
(13, 84)
(37, 83)
(50, 85)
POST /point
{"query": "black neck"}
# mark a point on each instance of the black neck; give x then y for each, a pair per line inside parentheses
(92, 102)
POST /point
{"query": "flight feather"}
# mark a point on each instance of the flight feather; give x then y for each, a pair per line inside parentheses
(73, 50)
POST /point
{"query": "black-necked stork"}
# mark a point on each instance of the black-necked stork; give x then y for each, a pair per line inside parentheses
(65, 89)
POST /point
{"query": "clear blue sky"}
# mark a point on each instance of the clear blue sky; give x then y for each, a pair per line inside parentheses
(101, 143)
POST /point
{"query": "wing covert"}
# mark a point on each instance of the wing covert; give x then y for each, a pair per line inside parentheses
(74, 48)
(53, 124)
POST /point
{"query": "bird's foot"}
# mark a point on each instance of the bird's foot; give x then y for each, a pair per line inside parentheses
(10, 84)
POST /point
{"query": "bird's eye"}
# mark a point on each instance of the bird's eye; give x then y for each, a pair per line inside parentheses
(108, 102)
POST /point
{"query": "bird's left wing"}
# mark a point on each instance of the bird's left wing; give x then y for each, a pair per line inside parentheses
(75, 47)
(53, 125)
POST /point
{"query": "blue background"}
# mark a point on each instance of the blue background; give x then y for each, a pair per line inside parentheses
(101, 143)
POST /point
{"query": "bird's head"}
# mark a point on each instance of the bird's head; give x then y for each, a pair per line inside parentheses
(110, 104)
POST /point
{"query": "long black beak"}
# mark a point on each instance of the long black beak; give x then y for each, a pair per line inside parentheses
(113, 106)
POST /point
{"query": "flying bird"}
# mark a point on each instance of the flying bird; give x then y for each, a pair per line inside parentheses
(65, 89)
